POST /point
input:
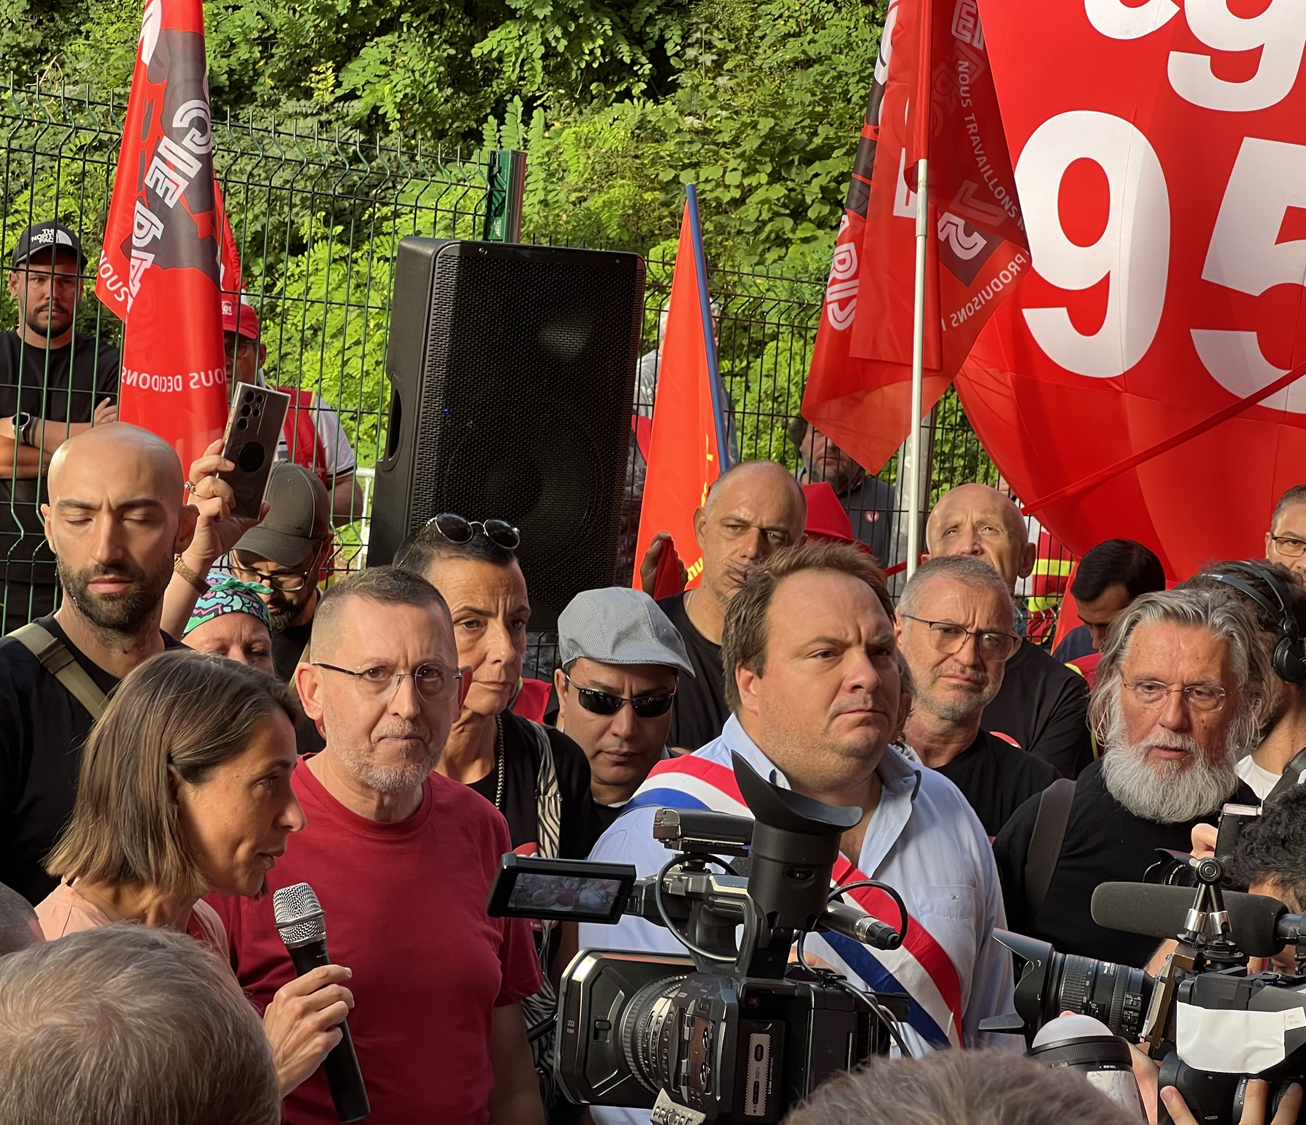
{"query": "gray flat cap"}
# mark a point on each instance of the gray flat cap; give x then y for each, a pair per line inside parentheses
(617, 625)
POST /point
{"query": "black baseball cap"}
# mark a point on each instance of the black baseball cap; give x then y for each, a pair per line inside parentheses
(46, 236)
(298, 521)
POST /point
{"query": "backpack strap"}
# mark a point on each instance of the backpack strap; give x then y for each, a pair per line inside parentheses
(59, 662)
(1045, 843)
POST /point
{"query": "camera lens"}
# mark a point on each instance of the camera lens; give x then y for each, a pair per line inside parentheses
(648, 1026)
(1115, 994)
(1051, 983)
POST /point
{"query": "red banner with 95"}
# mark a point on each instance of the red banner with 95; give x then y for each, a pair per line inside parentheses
(159, 271)
(1160, 152)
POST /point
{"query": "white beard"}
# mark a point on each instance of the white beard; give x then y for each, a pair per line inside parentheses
(1169, 792)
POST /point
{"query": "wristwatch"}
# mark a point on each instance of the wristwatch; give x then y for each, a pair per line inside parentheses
(21, 421)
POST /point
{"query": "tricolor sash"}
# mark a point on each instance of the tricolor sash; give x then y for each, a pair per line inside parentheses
(920, 967)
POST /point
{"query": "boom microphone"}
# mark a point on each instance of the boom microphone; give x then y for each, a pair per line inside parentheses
(299, 921)
(1161, 912)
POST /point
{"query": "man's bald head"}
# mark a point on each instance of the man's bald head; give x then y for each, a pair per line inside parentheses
(759, 477)
(974, 519)
(105, 449)
(115, 521)
(752, 510)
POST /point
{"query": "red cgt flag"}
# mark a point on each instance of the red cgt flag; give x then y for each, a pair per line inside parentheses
(686, 445)
(859, 387)
(159, 271)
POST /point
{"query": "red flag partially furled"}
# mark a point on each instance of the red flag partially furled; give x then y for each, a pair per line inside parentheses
(159, 271)
(859, 388)
(688, 438)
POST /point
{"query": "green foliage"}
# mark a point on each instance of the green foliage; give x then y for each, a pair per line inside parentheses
(764, 117)
(618, 103)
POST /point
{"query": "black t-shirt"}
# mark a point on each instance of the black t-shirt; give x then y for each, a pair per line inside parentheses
(608, 814)
(581, 825)
(872, 505)
(996, 778)
(1043, 706)
(287, 647)
(700, 710)
(1078, 642)
(1103, 843)
(42, 731)
(61, 385)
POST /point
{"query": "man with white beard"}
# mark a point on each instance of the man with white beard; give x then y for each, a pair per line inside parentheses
(1177, 701)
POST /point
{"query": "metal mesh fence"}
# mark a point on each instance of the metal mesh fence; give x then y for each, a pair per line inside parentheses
(317, 220)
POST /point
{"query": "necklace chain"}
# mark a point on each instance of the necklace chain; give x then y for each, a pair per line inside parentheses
(498, 765)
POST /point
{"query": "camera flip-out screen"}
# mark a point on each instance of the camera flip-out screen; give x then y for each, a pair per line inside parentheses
(562, 889)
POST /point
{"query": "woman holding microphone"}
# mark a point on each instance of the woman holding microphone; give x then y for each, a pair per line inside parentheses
(185, 790)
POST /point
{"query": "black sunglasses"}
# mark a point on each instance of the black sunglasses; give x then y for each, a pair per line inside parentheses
(601, 703)
(459, 529)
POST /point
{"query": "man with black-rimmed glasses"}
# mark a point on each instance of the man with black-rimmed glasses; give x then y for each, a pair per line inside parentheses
(1285, 542)
(955, 622)
(621, 664)
(285, 554)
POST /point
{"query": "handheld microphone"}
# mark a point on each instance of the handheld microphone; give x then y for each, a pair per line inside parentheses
(843, 919)
(1261, 925)
(299, 921)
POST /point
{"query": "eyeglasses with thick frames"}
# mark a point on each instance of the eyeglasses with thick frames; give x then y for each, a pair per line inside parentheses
(459, 529)
(1200, 697)
(1287, 545)
(286, 581)
(949, 638)
(381, 681)
(603, 703)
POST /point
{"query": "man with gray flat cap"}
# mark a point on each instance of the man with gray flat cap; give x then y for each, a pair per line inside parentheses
(285, 554)
(621, 663)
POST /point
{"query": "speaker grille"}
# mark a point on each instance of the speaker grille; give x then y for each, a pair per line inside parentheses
(523, 405)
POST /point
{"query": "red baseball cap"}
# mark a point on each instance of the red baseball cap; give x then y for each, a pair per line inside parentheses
(246, 323)
(826, 518)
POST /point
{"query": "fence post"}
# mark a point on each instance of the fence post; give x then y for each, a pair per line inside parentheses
(505, 186)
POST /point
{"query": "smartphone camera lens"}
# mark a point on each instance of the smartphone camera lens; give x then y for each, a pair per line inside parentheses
(245, 409)
(242, 423)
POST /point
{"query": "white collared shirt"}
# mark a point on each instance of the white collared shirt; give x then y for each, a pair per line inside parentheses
(923, 839)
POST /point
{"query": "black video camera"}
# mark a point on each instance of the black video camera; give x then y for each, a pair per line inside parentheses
(732, 1032)
(1203, 1013)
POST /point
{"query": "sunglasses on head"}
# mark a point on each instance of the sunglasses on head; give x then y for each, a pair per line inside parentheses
(459, 529)
(602, 703)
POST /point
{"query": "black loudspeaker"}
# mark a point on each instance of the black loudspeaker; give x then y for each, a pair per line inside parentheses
(512, 374)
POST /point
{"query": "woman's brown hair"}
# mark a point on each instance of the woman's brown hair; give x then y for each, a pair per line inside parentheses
(189, 710)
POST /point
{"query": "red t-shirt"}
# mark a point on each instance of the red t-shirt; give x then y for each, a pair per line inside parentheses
(405, 910)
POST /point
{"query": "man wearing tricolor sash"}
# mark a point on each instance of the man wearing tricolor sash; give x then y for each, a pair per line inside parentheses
(818, 691)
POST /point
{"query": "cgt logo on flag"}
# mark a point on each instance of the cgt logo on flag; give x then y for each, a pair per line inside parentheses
(859, 387)
(159, 270)
(966, 24)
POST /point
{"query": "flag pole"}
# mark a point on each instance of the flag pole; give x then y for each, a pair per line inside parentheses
(917, 371)
(921, 143)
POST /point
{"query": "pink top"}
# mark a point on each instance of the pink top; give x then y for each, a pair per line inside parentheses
(65, 911)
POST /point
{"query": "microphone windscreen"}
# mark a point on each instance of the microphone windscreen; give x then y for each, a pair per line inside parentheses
(298, 914)
(1160, 911)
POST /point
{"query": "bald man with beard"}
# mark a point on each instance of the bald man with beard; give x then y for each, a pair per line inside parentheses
(752, 510)
(115, 522)
(1042, 705)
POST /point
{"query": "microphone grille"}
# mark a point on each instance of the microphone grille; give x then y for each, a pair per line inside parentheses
(298, 915)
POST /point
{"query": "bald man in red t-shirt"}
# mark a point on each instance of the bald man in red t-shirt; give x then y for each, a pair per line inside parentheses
(401, 859)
